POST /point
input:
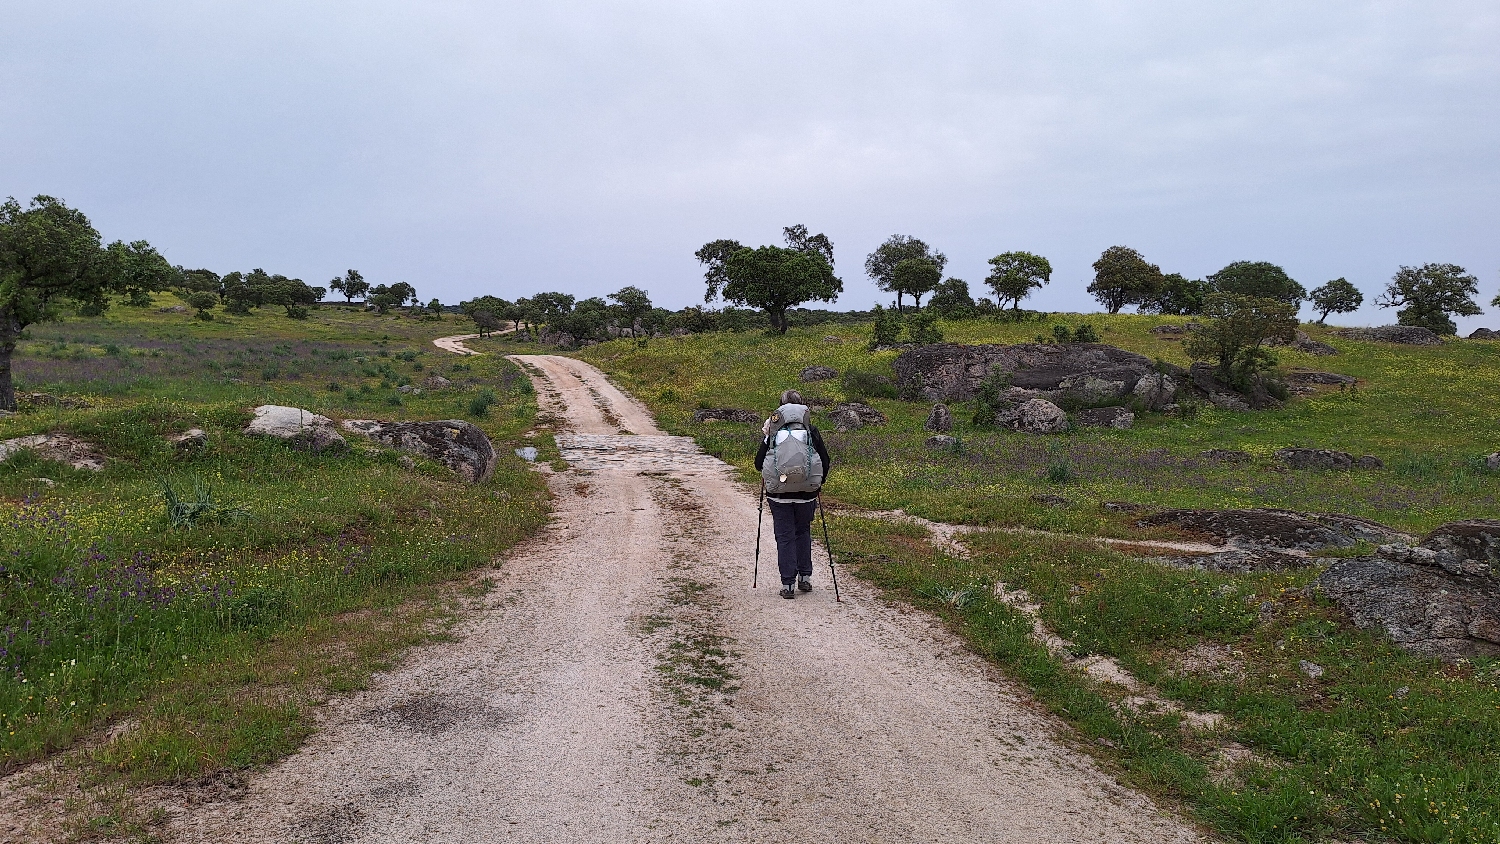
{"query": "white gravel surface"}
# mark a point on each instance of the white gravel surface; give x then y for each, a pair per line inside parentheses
(623, 683)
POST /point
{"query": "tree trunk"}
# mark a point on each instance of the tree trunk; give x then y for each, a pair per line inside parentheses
(917, 297)
(10, 334)
(899, 309)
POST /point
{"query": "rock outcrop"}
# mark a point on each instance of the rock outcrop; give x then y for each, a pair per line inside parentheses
(940, 419)
(1034, 416)
(1411, 335)
(1484, 334)
(1305, 344)
(941, 441)
(818, 373)
(1262, 528)
(301, 428)
(454, 443)
(727, 414)
(948, 372)
(1440, 598)
(1303, 376)
(56, 447)
(1105, 417)
(1323, 458)
(853, 415)
(1155, 390)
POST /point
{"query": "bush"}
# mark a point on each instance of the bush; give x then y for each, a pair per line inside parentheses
(887, 330)
(921, 328)
(1085, 333)
(479, 405)
(989, 398)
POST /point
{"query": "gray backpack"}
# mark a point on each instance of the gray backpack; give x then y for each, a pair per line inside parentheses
(792, 464)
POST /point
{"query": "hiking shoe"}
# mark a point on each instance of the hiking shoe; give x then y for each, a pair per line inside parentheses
(804, 583)
(788, 591)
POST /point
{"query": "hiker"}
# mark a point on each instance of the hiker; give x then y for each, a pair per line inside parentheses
(793, 463)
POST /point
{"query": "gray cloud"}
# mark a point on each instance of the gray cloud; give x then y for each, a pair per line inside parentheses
(472, 147)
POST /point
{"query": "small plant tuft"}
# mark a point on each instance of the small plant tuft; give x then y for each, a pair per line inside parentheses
(187, 512)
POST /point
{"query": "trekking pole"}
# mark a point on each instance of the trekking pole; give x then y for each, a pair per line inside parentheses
(827, 546)
(755, 575)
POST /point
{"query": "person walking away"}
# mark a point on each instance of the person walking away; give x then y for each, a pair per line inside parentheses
(793, 464)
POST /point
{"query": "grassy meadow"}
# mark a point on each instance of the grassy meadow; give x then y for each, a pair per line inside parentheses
(211, 642)
(1381, 746)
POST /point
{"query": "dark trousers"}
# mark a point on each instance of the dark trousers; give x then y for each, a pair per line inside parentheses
(792, 524)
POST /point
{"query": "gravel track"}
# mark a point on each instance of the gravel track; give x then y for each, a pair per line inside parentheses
(622, 682)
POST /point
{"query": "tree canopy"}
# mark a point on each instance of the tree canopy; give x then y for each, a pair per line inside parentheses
(1336, 297)
(50, 254)
(951, 300)
(352, 284)
(775, 279)
(1430, 295)
(1013, 275)
(1260, 279)
(1177, 295)
(632, 305)
(1122, 277)
(881, 266)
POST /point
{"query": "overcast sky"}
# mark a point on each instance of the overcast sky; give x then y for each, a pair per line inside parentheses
(507, 148)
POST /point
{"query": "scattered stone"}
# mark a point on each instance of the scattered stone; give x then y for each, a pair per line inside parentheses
(1401, 693)
(949, 372)
(941, 441)
(1051, 500)
(1484, 334)
(1311, 669)
(1035, 416)
(405, 462)
(940, 419)
(727, 414)
(853, 415)
(1123, 506)
(454, 443)
(818, 373)
(173, 309)
(6, 414)
(832, 340)
(1225, 455)
(1155, 390)
(56, 447)
(301, 428)
(194, 439)
(1279, 529)
(1411, 335)
(405, 389)
(46, 482)
(1492, 460)
(1440, 598)
(1303, 376)
(1105, 417)
(437, 382)
(1322, 458)
(1169, 329)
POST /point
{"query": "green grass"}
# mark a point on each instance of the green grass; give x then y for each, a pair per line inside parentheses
(1384, 746)
(1425, 411)
(216, 638)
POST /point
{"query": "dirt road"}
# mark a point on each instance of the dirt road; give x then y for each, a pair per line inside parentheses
(623, 683)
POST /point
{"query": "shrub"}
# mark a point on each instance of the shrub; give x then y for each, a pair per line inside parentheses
(921, 328)
(887, 329)
(989, 398)
(1085, 333)
(479, 405)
